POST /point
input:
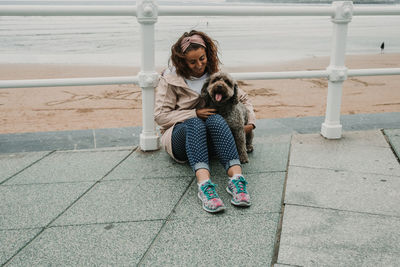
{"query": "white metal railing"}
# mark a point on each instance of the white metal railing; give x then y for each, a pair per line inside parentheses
(69, 82)
(59, 10)
(147, 12)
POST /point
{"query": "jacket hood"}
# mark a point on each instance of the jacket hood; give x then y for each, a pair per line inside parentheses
(172, 78)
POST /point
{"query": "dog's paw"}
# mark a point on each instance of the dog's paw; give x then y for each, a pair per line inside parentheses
(249, 148)
(244, 159)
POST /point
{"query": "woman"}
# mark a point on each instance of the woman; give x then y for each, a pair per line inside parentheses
(192, 132)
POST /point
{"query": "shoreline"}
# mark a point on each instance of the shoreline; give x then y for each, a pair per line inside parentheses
(111, 106)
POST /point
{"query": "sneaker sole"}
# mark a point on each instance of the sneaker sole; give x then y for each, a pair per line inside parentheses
(219, 209)
(241, 204)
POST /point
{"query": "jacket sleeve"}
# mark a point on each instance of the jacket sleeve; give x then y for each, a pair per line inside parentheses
(165, 112)
(244, 98)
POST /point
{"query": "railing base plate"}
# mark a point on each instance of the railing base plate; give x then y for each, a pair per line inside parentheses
(330, 131)
(149, 143)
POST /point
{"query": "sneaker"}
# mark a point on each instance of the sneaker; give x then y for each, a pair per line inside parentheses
(210, 199)
(237, 188)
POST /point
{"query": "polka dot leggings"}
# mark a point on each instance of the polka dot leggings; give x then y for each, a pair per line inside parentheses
(193, 139)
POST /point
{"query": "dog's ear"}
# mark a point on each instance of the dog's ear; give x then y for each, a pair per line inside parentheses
(204, 93)
(235, 97)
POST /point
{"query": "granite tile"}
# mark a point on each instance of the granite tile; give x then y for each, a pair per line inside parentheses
(343, 190)
(215, 241)
(13, 240)
(12, 163)
(72, 166)
(126, 200)
(323, 237)
(116, 244)
(29, 206)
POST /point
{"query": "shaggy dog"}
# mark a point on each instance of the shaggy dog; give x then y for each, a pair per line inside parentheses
(220, 91)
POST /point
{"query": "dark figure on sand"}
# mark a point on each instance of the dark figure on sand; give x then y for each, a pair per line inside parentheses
(382, 47)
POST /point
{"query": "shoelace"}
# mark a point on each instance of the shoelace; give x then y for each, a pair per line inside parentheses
(240, 184)
(209, 190)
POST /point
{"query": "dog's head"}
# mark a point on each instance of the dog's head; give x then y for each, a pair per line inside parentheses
(219, 89)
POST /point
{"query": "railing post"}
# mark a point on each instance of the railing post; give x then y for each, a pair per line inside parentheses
(147, 12)
(331, 128)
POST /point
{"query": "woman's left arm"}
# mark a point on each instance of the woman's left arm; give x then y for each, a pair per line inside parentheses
(244, 98)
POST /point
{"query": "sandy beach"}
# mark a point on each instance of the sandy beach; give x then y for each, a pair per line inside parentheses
(110, 106)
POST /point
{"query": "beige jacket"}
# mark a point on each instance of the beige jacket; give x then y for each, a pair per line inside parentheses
(176, 102)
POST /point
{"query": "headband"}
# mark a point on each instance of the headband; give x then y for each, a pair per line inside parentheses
(194, 39)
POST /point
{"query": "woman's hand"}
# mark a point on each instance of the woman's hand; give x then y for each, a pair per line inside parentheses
(204, 113)
(248, 128)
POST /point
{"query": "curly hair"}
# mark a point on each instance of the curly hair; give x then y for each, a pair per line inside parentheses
(178, 57)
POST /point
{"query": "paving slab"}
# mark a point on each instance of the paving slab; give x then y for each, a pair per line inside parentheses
(29, 206)
(302, 125)
(12, 163)
(72, 166)
(271, 139)
(270, 155)
(117, 137)
(216, 241)
(324, 237)
(394, 140)
(150, 165)
(268, 127)
(13, 240)
(118, 244)
(372, 138)
(343, 190)
(46, 141)
(353, 122)
(126, 200)
(317, 152)
(285, 265)
(356, 122)
(265, 190)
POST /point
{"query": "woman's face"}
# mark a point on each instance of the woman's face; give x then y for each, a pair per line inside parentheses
(197, 61)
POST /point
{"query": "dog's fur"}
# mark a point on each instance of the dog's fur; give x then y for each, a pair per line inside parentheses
(228, 106)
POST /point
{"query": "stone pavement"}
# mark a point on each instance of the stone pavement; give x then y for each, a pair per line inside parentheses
(316, 202)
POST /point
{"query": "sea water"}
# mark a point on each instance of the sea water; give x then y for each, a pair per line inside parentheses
(243, 41)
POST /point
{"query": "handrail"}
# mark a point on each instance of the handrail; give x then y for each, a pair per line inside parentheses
(376, 11)
(238, 76)
(49, 10)
(373, 72)
(280, 75)
(135, 79)
(68, 82)
(131, 10)
(246, 11)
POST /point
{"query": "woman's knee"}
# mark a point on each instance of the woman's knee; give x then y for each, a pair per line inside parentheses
(195, 123)
(179, 132)
(194, 120)
(215, 120)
